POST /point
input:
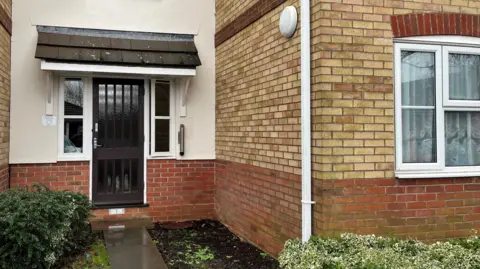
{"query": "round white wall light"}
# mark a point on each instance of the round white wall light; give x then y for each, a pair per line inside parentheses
(288, 21)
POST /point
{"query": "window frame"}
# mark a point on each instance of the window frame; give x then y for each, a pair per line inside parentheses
(171, 118)
(86, 152)
(442, 103)
(456, 105)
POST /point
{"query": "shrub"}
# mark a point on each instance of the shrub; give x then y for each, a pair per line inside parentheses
(40, 226)
(371, 252)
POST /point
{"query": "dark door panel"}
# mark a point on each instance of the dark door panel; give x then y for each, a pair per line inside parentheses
(117, 141)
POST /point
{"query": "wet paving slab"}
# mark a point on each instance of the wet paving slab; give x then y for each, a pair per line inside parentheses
(132, 248)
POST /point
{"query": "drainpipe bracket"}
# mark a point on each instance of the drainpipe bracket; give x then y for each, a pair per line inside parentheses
(308, 202)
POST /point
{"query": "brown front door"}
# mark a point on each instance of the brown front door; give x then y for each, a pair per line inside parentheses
(118, 138)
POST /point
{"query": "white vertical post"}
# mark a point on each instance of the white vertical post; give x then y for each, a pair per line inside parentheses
(306, 121)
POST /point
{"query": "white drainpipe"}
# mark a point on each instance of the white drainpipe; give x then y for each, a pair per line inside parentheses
(305, 118)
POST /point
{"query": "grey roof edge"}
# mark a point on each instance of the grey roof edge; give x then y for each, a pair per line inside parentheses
(114, 33)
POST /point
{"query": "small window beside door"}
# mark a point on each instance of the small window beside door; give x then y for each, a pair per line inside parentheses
(73, 95)
(161, 125)
(72, 118)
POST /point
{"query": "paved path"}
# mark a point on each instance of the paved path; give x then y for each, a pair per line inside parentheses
(132, 248)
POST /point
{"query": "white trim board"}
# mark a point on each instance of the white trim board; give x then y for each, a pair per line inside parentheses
(116, 69)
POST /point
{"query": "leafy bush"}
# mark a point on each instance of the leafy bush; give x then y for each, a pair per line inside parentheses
(371, 252)
(39, 227)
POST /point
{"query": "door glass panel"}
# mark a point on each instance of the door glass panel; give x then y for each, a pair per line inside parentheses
(162, 135)
(73, 136)
(118, 176)
(110, 116)
(135, 115)
(127, 130)
(101, 119)
(135, 175)
(126, 175)
(118, 115)
(162, 99)
(109, 176)
(101, 180)
(73, 104)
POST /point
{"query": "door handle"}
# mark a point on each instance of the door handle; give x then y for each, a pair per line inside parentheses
(95, 145)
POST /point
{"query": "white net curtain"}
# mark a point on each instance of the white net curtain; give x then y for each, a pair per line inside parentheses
(418, 107)
(462, 128)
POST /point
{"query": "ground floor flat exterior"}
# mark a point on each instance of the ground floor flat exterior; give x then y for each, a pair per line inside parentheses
(214, 129)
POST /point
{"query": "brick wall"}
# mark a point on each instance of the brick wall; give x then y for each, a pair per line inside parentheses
(258, 94)
(261, 205)
(427, 209)
(224, 8)
(258, 128)
(258, 97)
(355, 189)
(176, 190)
(5, 34)
(180, 190)
(72, 176)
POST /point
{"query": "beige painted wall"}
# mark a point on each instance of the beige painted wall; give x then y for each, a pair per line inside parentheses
(33, 143)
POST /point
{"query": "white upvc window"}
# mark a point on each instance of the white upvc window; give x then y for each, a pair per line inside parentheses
(73, 113)
(162, 119)
(437, 110)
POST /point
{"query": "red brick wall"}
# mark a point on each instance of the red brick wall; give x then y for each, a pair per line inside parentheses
(72, 176)
(426, 209)
(176, 190)
(180, 190)
(260, 205)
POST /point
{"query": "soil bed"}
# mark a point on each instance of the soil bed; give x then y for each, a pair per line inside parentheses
(207, 244)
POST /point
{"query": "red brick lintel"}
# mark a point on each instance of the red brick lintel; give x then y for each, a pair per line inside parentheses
(424, 24)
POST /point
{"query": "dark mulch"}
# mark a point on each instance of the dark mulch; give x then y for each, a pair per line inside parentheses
(207, 244)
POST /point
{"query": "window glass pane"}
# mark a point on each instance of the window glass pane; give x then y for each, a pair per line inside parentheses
(418, 107)
(462, 138)
(73, 104)
(73, 136)
(162, 135)
(419, 136)
(418, 78)
(162, 99)
(464, 76)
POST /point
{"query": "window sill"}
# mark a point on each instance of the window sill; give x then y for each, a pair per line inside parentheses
(78, 158)
(153, 157)
(435, 174)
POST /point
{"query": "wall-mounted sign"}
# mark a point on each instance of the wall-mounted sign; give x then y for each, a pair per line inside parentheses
(49, 121)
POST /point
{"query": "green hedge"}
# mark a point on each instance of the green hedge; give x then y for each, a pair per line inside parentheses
(371, 252)
(38, 227)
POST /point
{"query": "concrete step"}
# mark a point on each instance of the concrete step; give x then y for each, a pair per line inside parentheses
(101, 225)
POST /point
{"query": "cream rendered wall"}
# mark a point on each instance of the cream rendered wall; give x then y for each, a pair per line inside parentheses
(31, 142)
